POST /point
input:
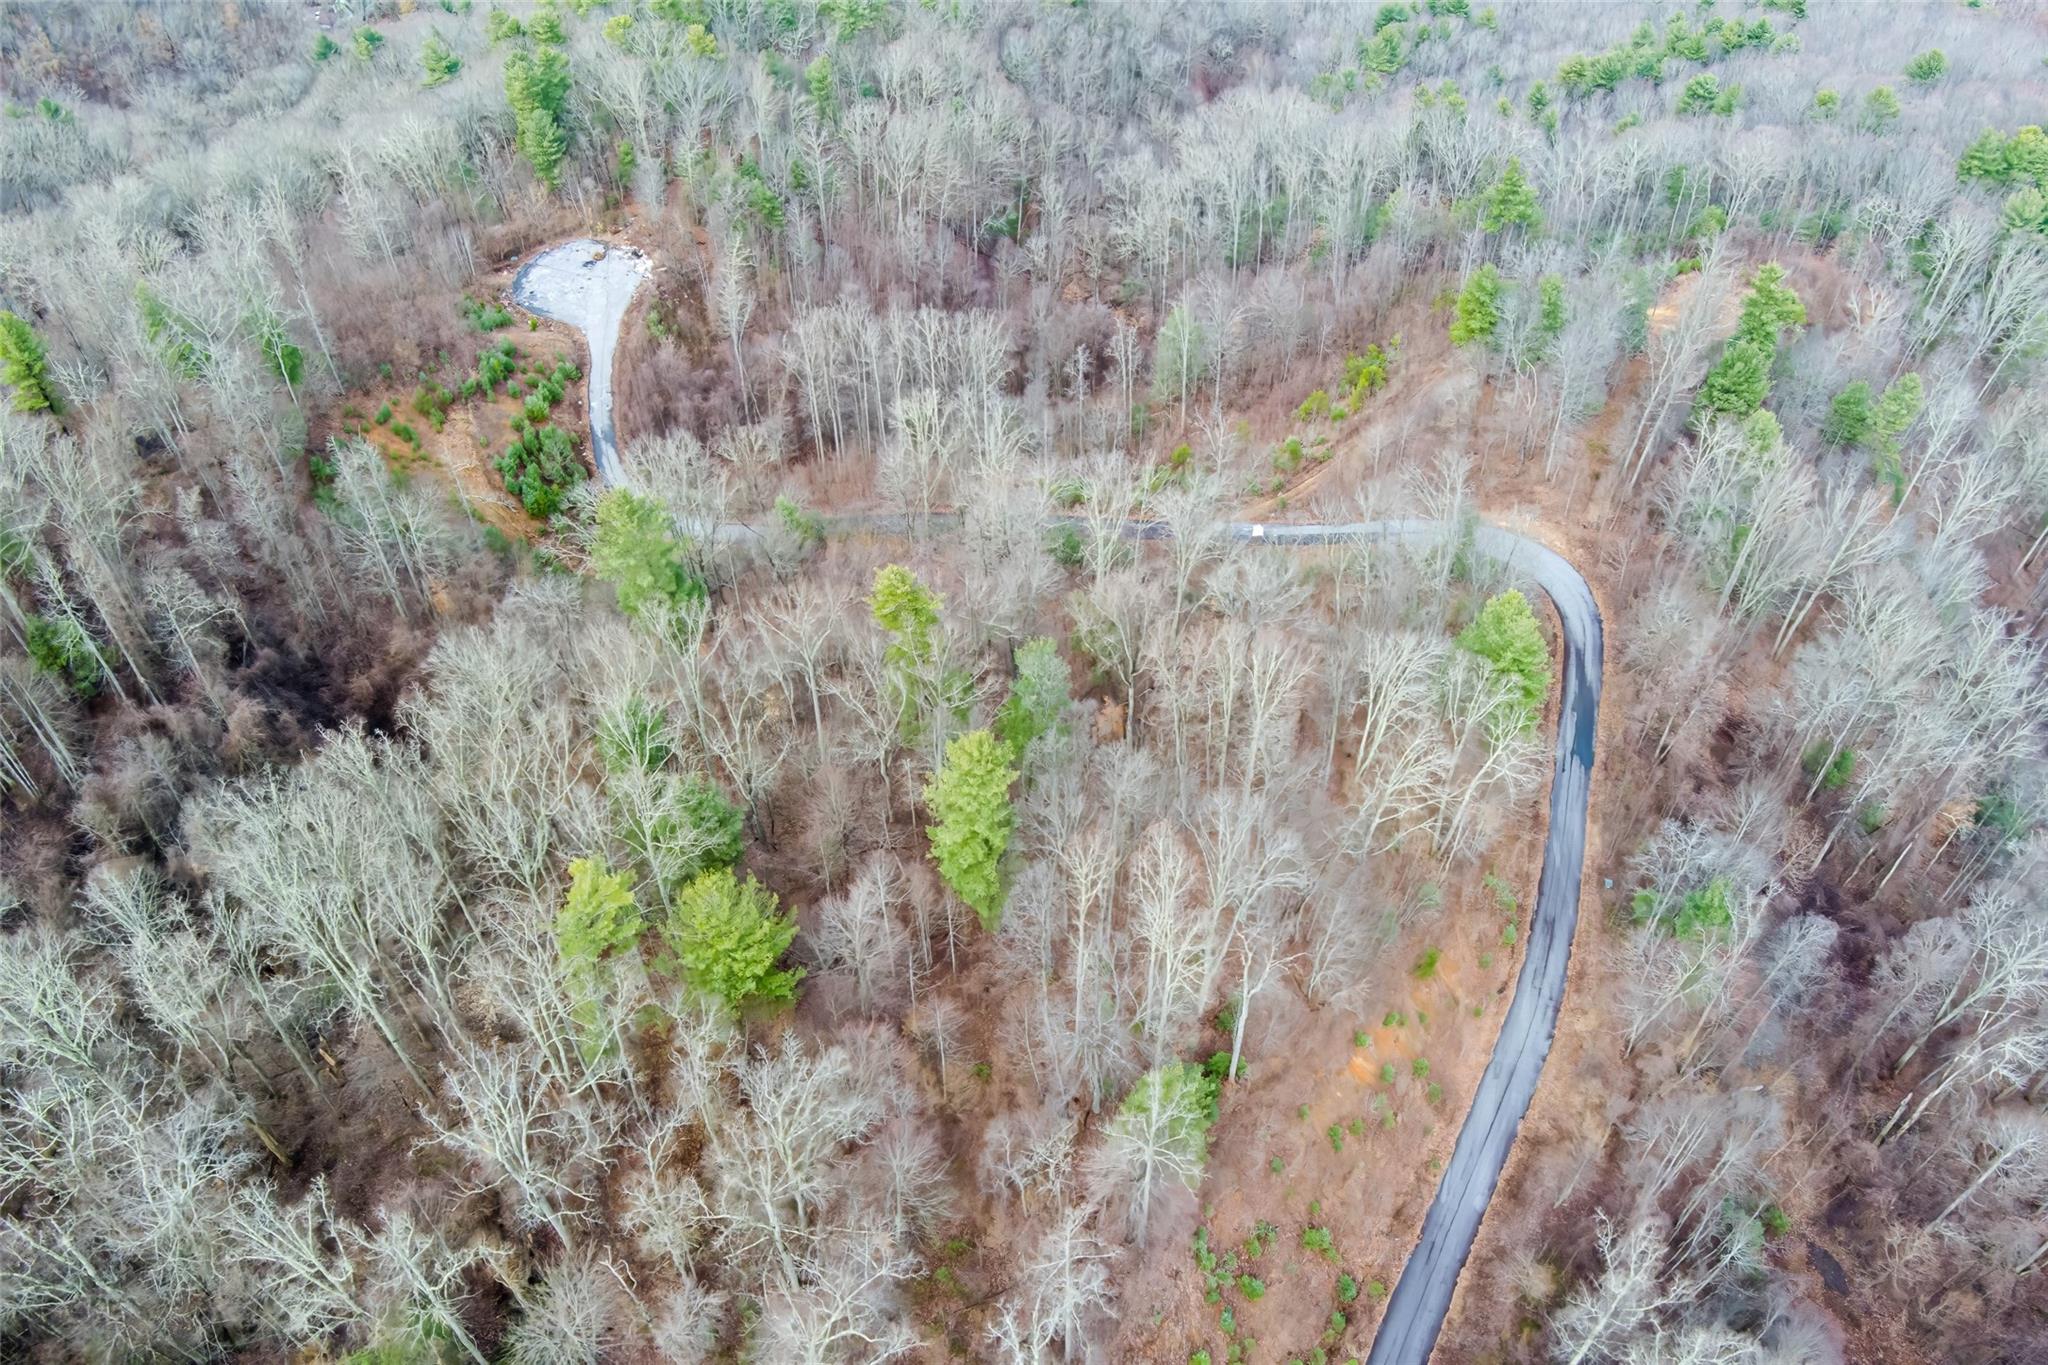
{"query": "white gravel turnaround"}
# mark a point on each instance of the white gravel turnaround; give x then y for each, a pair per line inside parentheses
(589, 285)
(573, 284)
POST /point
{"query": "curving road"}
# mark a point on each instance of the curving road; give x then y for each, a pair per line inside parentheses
(574, 284)
(1422, 1297)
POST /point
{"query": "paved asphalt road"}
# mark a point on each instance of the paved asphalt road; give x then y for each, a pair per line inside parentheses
(570, 283)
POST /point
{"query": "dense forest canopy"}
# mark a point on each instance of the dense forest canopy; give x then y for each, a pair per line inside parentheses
(900, 872)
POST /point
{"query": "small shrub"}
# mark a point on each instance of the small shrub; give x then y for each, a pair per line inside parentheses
(1335, 1133)
(383, 415)
(1276, 1165)
(540, 468)
(1419, 1068)
(1063, 543)
(1425, 966)
(1347, 1289)
(485, 317)
(1360, 1038)
(59, 646)
(438, 59)
(1252, 1287)
(1387, 1073)
(807, 527)
(1928, 67)
(1435, 1093)
(496, 365)
(431, 401)
(1834, 767)
(1318, 1241)
(1775, 1220)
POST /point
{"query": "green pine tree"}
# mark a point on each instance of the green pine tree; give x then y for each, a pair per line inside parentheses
(540, 140)
(1506, 635)
(1550, 310)
(2025, 210)
(60, 647)
(1511, 201)
(1927, 68)
(1038, 696)
(728, 936)
(909, 611)
(1770, 306)
(1477, 311)
(1699, 95)
(818, 81)
(969, 799)
(633, 737)
(1894, 412)
(439, 60)
(1849, 416)
(537, 88)
(1740, 380)
(636, 550)
(24, 367)
(500, 26)
(598, 917)
(680, 825)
